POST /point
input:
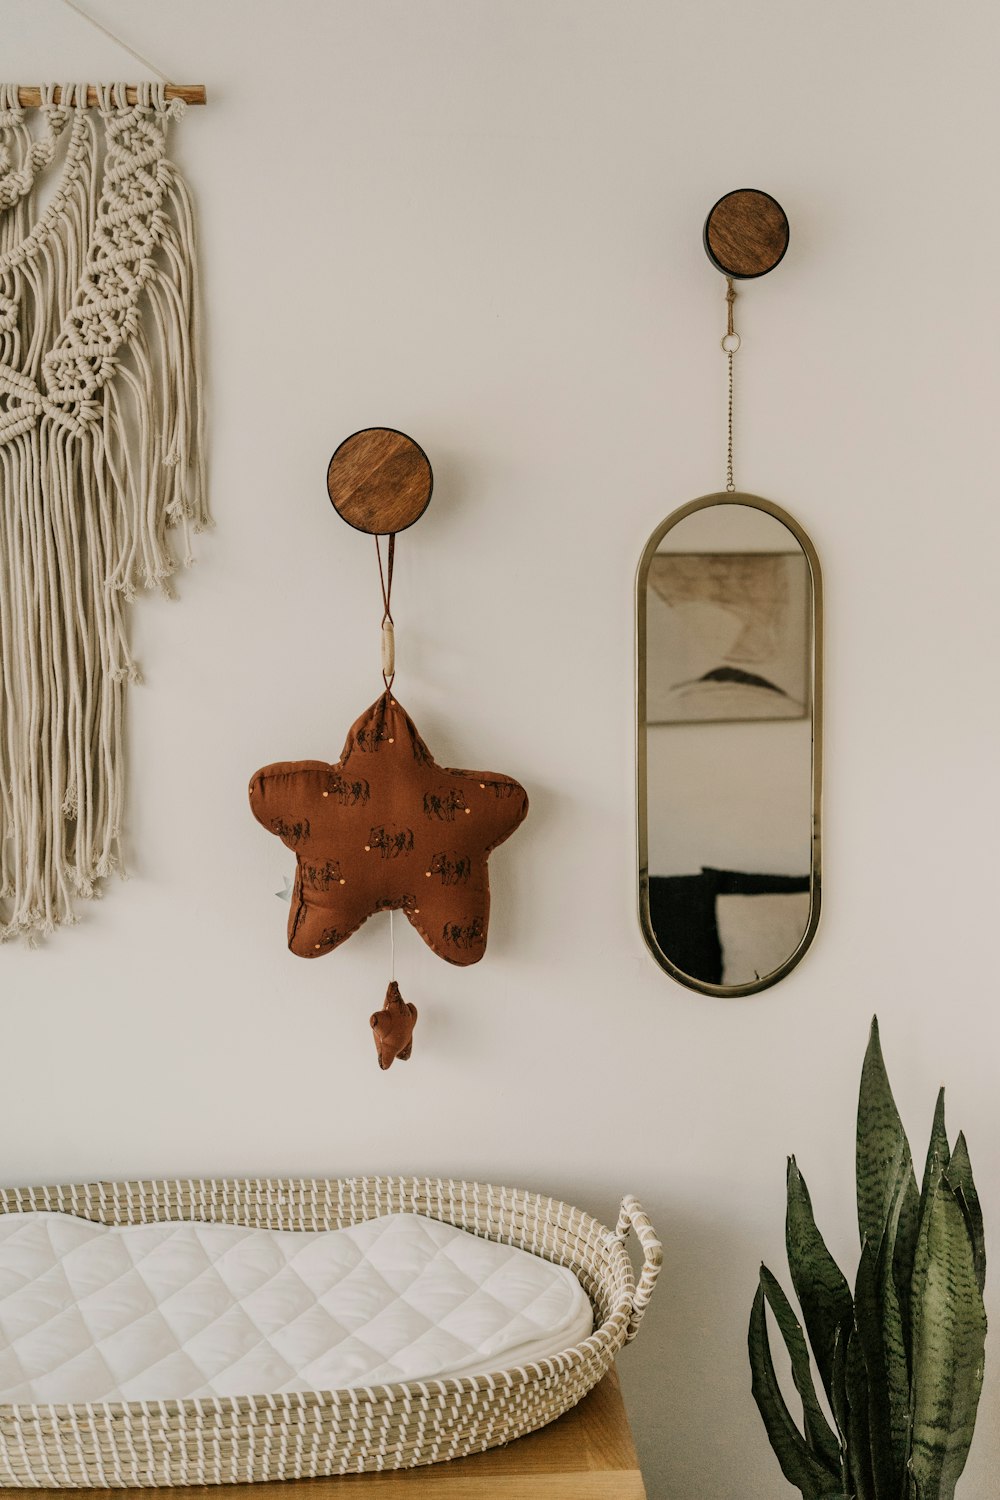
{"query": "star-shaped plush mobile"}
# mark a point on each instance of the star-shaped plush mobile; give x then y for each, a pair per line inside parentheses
(387, 829)
(393, 1028)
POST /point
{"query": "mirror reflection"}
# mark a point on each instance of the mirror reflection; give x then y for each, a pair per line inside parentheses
(728, 605)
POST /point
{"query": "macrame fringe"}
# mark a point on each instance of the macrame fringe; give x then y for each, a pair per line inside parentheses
(101, 456)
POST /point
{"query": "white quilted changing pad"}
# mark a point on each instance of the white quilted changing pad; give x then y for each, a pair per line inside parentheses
(150, 1312)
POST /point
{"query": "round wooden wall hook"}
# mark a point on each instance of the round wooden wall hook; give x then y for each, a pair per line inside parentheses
(746, 233)
(379, 480)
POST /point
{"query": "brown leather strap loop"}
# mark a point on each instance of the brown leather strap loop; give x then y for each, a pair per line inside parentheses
(385, 579)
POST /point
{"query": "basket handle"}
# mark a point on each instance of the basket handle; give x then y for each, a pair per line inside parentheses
(633, 1216)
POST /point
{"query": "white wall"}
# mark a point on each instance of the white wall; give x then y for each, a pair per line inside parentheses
(480, 222)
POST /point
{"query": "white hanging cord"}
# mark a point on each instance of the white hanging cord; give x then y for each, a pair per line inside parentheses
(124, 45)
(392, 947)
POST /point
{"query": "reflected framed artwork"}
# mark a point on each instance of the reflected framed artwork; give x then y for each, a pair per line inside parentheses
(731, 631)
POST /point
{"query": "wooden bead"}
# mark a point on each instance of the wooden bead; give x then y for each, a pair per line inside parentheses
(746, 233)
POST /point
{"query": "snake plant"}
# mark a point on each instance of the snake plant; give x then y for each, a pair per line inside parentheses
(900, 1359)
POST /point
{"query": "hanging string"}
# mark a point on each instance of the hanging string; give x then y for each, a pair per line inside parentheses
(388, 673)
(388, 628)
(731, 342)
(71, 4)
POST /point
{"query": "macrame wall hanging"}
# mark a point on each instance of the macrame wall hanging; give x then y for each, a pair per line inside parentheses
(384, 828)
(101, 454)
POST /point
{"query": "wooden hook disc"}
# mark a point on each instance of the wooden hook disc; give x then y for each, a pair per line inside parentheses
(380, 480)
(746, 233)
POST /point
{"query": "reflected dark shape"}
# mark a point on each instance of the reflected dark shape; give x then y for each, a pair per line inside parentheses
(682, 913)
(735, 674)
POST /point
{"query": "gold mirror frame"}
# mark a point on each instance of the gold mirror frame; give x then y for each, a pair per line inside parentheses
(755, 502)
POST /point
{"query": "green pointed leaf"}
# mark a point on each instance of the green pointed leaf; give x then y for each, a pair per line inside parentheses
(959, 1175)
(892, 1299)
(938, 1150)
(838, 1388)
(888, 1209)
(823, 1293)
(887, 1474)
(902, 1250)
(798, 1464)
(817, 1430)
(883, 1152)
(949, 1335)
(859, 1454)
(895, 1338)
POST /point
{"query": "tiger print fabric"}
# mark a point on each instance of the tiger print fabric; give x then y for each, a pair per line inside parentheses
(387, 829)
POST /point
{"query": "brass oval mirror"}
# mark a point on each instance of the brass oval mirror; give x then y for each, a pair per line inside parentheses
(729, 717)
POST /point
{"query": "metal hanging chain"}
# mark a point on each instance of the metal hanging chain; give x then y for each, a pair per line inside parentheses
(84, 15)
(731, 342)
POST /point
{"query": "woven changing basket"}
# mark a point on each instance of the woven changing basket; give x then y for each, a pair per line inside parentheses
(306, 1434)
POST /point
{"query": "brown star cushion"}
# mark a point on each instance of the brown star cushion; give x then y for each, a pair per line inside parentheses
(386, 829)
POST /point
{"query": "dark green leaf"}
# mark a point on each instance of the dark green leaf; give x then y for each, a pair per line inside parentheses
(883, 1152)
(938, 1150)
(823, 1293)
(895, 1349)
(838, 1383)
(859, 1455)
(887, 1473)
(817, 1430)
(889, 1214)
(949, 1335)
(798, 1464)
(959, 1174)
(903, 1250)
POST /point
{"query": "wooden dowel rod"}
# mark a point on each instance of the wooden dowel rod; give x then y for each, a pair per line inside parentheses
(191, 93)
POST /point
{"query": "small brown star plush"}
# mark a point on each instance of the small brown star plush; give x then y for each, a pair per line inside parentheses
(393, 1027)
(386, 829)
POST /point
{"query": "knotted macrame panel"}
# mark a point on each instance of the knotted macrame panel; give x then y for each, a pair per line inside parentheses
(101, 459)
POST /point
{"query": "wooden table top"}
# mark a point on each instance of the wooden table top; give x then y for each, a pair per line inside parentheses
(588, 1454)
